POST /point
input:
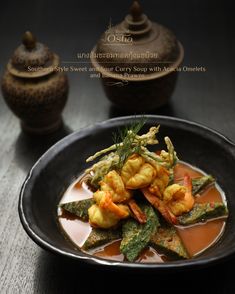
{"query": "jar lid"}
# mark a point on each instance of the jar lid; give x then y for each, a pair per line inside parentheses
(137, 49)
(32, 59)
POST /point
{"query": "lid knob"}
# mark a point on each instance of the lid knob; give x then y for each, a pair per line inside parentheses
(136, 22)
(136, 11)
(31, 53)
(29, 40)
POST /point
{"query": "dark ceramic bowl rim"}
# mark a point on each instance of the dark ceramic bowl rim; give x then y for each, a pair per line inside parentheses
(91, 260)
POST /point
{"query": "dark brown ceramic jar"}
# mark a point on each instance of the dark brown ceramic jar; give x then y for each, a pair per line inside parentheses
(34, 88)
(138, 61)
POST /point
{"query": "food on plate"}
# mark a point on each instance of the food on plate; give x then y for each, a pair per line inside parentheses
(141, 202)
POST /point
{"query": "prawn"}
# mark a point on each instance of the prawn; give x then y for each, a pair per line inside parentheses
(179, 198)
(105, 202)
(160, 206)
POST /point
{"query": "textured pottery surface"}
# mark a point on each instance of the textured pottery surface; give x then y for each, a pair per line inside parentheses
(148, 55)
(32, 89)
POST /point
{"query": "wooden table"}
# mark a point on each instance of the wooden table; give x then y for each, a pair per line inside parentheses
(204, 28)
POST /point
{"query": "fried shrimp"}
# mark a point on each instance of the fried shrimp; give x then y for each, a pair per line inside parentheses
(105, 213)
(160, 182)
(101, 218)
(179, 198)
(136, 173)
(113, 183)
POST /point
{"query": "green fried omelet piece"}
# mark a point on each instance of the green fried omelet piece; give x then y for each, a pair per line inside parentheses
(201, 183)
(202, 212)
(100, 237)
(79, 208)
(167, 241)
(137, 236)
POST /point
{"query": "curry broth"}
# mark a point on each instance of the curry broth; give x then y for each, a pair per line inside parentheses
(196, 238)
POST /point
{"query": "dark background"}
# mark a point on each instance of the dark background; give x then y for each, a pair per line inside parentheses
(205, 28)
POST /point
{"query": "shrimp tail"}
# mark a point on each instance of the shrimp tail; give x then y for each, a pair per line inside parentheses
(188, 183)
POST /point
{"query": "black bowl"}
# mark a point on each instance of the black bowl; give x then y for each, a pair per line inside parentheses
(54, 171)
